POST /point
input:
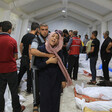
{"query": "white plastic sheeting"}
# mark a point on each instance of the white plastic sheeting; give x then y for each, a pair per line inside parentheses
(85, 65)
(67, 101)
(23, 82)
(8, 102)
(96, 106)
(104, 93)
(95, 92)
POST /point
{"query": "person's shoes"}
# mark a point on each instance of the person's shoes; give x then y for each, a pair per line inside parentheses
(105, 83)
(102, 78)
(22, 108)
(92, 83)
(35, 109)
(74, 79)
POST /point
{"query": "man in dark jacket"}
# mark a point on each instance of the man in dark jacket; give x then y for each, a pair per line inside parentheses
(105, 56)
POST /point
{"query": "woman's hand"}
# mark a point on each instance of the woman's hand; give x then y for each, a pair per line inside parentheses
(63, 84)
(53, 60)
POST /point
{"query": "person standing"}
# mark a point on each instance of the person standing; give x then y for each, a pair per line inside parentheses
(94, 56)
(25, 59)
(88, 47)
(73, 47)
(38, 41)
(70, 33)
(8, 68)
(51, 74)
(65, 41)
(82, 44)
(105, 56)
(85, 42)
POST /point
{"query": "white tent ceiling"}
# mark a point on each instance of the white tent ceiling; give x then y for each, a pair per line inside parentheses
(86, 11)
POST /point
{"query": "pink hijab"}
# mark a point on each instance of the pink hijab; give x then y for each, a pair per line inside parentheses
(54, 51)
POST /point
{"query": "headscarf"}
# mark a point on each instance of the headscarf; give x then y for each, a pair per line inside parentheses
(55, 50)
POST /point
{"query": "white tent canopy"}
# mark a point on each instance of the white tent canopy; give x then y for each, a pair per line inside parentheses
(82, 15)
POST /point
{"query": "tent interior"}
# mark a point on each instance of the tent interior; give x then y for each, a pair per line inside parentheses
(81, 15)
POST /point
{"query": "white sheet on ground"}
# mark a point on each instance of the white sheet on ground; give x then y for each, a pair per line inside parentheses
(95, 92)
(96, 106)
(7, 97)
(85, 65)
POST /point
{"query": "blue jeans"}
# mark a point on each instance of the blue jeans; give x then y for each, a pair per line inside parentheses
(93, 61)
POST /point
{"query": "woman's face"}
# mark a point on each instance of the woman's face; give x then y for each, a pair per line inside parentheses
(54, 40)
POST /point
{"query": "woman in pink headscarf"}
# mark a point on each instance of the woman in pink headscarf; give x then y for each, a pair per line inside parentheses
(51, 74)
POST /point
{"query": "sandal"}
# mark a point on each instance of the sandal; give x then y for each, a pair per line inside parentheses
(35, 109)
(92, 83)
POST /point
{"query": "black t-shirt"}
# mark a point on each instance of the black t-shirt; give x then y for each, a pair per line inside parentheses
(65, 40)
(27, 40)
(103, 52)
(95, 44)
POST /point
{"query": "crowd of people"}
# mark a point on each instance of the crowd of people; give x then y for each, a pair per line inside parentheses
(49, 58)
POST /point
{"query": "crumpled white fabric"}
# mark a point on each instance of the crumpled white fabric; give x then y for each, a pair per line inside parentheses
(104, 93)
(8, 101)
(67, 100)
(95, 106)
(95, 92)
(85, 65)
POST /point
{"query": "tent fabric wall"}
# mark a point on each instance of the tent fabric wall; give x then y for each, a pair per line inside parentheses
(61, 24)
(110, 27)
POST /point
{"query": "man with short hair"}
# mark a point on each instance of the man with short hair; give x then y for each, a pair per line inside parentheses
(85, 42)
(73, 47)
(38, 41)
(26, 55)
(71, 33)
(93, 53)
(105, 56)
(8, 69)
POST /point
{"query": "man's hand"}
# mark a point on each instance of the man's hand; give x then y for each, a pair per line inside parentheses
(88, 53)
(53, 60)
(108, 47)
(50, 55)
(107, 50)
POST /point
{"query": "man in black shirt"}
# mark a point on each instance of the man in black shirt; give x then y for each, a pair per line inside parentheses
(105, 56)
(65, 52)
(25, 59)
(94, 56)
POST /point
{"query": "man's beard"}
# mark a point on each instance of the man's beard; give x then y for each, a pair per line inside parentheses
(43, 36)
